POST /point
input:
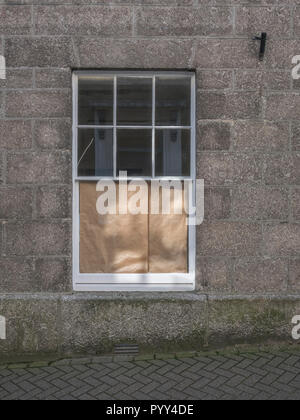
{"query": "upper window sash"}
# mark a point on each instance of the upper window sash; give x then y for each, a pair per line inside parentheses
(161, 104)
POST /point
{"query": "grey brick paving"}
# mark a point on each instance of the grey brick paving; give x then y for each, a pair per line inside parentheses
(274, 376)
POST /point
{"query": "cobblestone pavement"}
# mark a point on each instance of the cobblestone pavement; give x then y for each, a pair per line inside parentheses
(212, 377)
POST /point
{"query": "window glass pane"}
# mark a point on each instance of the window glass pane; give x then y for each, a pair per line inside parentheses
(172, 157)
(135, 152)
(95, 152)
(95, 101)
(173, 101)
(134, 101)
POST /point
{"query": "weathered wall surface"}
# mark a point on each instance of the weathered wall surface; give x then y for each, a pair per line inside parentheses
(93, 324)
(248, 152)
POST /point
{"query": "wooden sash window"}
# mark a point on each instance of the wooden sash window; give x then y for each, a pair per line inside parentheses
(143, 124)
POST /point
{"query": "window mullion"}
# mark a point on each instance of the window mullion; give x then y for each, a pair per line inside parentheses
(153, 125)
(115, 129)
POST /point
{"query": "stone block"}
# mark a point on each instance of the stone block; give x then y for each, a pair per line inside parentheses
(17, 275)
(17, 79)
(32, 325)
(282, 106)
(15, 135)
(226, 54)
(39, 52)
(282, 169)
(213, 274)
(296, 21)
(54, 202)
(135, 53)
(260, 136)
(158, 323)
(277, 80)
(15, 20)
(294, 282)
(260, 203)
(248, 321)
(296, 136)
(53, 275)
(173, 21)
(39, 168)
(227, 169)
(282, 239)
(217, 204)
(53, 134)
(215, 79)
(15, 203)
(274, 20)
(96, 20)
(295, 204)
(38, 238)
(214, 135)
(279, 53)
(53, 78)
(38, 104)
(249, 80)
(231, 239)
(260, 276)
(228, 106)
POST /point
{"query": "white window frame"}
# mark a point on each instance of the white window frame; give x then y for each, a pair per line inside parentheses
(151, 282)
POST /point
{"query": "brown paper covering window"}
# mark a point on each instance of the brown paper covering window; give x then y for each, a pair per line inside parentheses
(130, 243)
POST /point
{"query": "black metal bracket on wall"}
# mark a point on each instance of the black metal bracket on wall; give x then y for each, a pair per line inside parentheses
(263, 42)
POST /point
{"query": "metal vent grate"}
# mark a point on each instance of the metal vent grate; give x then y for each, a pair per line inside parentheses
(127, 349)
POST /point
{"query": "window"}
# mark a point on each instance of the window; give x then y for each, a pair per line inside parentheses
(141, 124)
